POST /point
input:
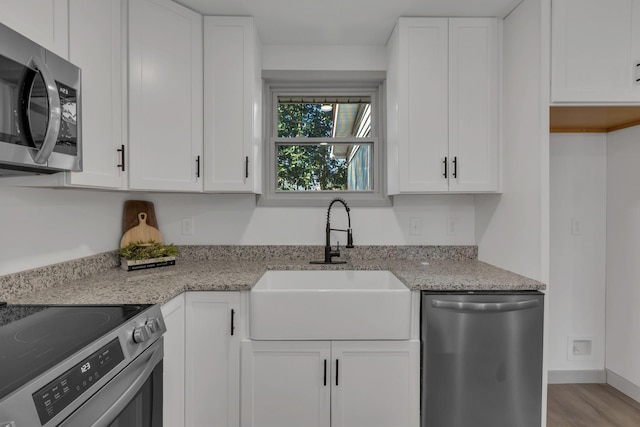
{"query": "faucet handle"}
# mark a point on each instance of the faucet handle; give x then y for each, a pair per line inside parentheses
(336, 252)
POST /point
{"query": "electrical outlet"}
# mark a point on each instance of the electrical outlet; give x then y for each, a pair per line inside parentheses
(187, 226)
(576, 226)
(452, 226)
(580, 348)
(415, 226)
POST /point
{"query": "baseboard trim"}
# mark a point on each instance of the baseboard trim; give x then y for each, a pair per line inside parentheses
(624, 385)
(577, 377)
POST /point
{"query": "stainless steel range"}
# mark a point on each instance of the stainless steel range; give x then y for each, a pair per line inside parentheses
(89, 365)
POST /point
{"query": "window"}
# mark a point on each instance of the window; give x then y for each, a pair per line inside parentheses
(323, 142)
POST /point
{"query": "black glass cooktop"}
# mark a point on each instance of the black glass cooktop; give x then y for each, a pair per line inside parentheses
(34, 338)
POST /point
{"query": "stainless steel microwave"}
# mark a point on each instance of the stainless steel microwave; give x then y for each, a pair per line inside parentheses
(40, 126)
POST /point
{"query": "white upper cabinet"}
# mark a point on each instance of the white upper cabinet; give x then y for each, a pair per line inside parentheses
(96, 46)
(165, 96)
(595, 52)
(418, 131)
(43, 21)
(232, 105)
(473, 105)
(442, 105)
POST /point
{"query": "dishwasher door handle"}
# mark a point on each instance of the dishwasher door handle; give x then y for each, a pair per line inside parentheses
(485, 306)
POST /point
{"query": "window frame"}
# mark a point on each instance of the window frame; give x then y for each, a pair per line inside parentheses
(271, 196)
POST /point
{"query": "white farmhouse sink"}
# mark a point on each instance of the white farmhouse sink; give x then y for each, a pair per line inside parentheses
(329, 305)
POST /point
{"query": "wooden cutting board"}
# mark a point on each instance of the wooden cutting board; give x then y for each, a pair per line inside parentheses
(139, 223)
(141, 233)
(131, 210)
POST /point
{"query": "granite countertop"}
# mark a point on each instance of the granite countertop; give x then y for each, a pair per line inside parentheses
(113, 285)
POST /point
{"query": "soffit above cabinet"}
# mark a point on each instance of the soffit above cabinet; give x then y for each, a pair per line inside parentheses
(576, 119)
(339, 22)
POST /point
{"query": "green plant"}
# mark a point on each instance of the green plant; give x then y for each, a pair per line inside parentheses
(147, 250)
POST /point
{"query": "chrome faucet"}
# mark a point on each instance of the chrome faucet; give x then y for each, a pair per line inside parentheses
(330, 253)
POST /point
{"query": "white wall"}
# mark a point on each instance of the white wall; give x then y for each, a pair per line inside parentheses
(623, 254)
(511, 228)
(578, 247)
(45, 226)
(233, 219)
(344, 58)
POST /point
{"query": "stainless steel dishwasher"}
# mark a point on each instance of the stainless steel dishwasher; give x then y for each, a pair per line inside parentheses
(482, 359)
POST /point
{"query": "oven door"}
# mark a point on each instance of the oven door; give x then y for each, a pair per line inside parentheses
(131, 398)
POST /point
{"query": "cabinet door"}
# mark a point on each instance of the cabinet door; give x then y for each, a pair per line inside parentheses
(286, 384)
(173, 362)
(473, 104)
(595, 51)
(43, 21)
(165, 96)
(375, 383)
(232, 105)
(96, 27)
(422, 104)
(213, 328)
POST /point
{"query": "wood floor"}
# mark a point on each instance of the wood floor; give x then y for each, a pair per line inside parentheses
(590, 405)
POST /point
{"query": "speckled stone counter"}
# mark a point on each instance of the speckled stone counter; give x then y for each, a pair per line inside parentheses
(238, 268)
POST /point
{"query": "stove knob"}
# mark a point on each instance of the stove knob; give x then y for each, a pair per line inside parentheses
(140, 334)
(153, 325)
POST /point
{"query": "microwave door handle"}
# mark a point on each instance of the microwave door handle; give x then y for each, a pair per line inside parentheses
(55, 111)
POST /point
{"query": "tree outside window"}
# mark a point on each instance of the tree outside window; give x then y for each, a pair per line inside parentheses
(323, 146)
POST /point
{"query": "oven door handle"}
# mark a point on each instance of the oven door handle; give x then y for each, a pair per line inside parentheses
(119, 405)
(55, 110)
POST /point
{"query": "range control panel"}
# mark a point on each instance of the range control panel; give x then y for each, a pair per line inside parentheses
(55, 396)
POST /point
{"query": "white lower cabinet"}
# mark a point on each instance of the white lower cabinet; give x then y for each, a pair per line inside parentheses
(173, 362)
(330, 383)
(213, 334)
(286, 383)
(376, 383)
